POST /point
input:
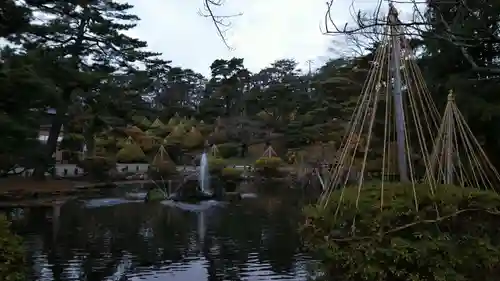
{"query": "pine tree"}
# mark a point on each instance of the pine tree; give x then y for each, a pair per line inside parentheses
(84, 44)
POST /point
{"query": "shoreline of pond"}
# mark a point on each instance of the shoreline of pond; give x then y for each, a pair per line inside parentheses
(26, 189)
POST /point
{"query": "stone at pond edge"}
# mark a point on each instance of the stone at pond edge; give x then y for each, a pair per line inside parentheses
(155, 194)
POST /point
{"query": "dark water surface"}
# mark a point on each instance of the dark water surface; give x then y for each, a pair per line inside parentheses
(115, 239)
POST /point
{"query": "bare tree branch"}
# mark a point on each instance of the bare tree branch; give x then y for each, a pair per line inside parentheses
(221, 22)
(367, 29)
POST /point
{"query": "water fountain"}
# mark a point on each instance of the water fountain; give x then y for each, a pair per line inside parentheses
(204, 175)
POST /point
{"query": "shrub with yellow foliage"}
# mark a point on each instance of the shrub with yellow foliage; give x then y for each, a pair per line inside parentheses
(268, 166)
(131, 153)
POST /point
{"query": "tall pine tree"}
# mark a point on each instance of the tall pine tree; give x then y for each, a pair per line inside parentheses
(84, 43)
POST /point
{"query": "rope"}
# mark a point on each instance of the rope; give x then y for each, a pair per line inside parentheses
(444, 146)
(455, 142)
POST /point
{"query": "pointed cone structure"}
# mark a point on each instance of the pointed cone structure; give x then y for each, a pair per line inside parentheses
(218, 122)
(214, 151)
(457, 157)
(130, 153)
(133, 131)
(218, 136)
(176, 136)
(129, 141)
(269, 152)
(161, 157)
(193, 139)
(157, 124)
(172, 122)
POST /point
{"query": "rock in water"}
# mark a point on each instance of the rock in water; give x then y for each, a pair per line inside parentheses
(155, 194)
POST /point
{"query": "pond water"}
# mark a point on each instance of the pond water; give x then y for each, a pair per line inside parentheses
(118, 239)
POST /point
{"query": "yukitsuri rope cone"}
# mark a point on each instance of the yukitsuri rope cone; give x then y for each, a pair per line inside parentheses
(458, 158)
(436, 152)
(369, 149)
(407, 198)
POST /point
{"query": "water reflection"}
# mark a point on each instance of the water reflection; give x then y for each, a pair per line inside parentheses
(115, 239)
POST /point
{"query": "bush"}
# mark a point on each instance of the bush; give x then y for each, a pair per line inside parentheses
(176, 136)
(269, 167)
(160, 132)
(131, 153)
(148, 143)
(205, 129)
(216, 165)
(218, 136)
(193, 139)
(272, 163)
(155, 195)
(228, 150)
(133, 131)
(229, 173)
(106, 143)
(12, 263)
(398, 243)
(98, 167)
(162, 169)
(141, 122)
(191, 122)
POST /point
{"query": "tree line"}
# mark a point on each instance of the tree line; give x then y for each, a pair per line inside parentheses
(74, 57)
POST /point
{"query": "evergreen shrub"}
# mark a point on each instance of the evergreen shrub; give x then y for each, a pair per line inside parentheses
(268, 166)
(228, 150)
(131, 153)
(98, 167)
(452, 235)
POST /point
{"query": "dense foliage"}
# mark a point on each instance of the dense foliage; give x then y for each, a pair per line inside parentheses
(12, 266)
(106, 92)
(101, 97)
(453, 235)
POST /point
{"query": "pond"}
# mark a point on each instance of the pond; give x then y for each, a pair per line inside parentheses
(104, 239)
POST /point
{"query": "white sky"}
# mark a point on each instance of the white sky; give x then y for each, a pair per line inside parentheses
(268, 30)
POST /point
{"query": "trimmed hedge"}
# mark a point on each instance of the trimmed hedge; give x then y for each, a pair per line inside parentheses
(98, 167)
(228, 150)
(229, 173)
(216, 165)
(269, 166)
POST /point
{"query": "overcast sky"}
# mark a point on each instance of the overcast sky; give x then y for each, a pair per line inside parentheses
(268, 30)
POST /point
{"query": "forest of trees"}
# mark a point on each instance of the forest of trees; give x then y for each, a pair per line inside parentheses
(72, 56)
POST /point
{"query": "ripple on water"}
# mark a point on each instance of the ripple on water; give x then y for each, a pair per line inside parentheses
(106, 202)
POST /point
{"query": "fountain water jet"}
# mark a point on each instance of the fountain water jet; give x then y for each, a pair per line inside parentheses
(204, 175)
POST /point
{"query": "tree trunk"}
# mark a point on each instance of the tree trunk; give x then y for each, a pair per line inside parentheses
(90, 144)
(62, 109)
(491, 145)
(51, 145)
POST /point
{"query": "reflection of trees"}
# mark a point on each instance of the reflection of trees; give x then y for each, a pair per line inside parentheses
(106, 236)
(110, 241)
(266, 226)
